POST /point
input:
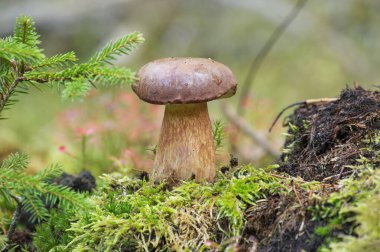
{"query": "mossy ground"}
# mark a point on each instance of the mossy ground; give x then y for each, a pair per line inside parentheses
(323, 196)
(135, 215)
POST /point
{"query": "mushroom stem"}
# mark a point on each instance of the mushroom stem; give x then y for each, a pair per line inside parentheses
(186, 145)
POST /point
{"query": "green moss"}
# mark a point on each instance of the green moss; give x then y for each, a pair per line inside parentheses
(360, 206)
(53, 232)
(140, 216)
(136, 215)
(353, 212)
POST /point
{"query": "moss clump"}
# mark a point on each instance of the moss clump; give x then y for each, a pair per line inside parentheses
(135, 215)
(353, 212)
(367, 236)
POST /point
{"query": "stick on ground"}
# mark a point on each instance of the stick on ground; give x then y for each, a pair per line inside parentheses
(240, 123)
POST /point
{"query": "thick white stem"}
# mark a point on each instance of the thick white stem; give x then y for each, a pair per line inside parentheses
(186, 146)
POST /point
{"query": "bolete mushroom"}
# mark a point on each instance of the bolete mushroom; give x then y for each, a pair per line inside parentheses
(185, 85)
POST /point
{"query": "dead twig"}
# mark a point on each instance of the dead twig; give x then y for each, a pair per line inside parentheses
(241, 124)
(257, 61)
(306, 102)
(338, 176)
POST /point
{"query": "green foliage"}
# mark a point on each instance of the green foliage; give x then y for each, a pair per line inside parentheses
(360, 204)
(23, 64)
(354, 210)
(56, 61)
(218, 133)
(142, 216)
(52, 233)
(33, 191)
(25, 32)
(367, 236)
(3, 241)
(11, 52)
(77, 87)
(119, 47)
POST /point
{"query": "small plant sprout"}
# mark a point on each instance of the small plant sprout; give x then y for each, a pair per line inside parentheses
(217, 132)
(186, 146)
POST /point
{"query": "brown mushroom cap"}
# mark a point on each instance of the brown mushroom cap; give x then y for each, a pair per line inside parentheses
(184, 80)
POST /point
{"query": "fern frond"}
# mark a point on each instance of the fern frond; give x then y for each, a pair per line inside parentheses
(25, 32)
(121, 46)
(15, 162)
(56, 61)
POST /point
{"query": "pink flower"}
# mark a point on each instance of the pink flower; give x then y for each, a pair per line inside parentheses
(128, 153)
(62, 148)
(85, 131)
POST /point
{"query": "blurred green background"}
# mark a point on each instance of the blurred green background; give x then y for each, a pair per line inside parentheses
(330, 45)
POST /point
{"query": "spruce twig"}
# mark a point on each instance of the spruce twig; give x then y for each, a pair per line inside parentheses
(7, 93)
(15, 219)
(22, 62)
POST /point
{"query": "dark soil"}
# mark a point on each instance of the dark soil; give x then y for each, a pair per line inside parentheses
(326, 138)
(330, 135)
(83, 182)
(23, 238)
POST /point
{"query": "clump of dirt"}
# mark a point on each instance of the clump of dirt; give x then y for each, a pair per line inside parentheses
(282, 223)
(83, 182)
(23, 237)
(325, 138)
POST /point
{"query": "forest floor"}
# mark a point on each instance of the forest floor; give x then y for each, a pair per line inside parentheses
(324, 143)
(330, 147)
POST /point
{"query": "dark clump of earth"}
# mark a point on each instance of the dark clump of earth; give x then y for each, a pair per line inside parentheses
(324, 139)
(83, 182)
(23, 237)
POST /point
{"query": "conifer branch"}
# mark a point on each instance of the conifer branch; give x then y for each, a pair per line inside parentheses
(113, 75)
(15, 218)
(25, 32)
(14, 221)
(15, 162)
(11, 50)
(22, 62)
(121, 46)
(5, 97)
(56, 61)
(14, 181)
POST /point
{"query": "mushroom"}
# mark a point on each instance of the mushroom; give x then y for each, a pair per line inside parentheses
(185, 85)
